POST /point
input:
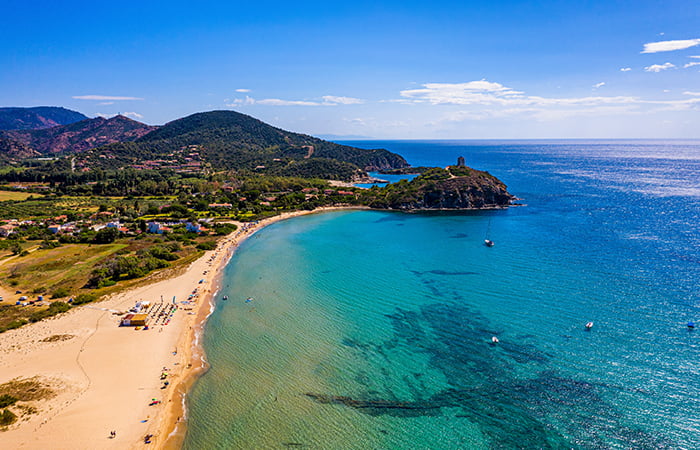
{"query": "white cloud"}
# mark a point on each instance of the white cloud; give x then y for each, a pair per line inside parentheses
(625, 69)
(694, 56)
(659, 67)
(597, 85)
(133, 115)
(279, 102)
(473, 92)
(691, 64)
(486, 93)
(359, 121)
(328, 100)
(104, 97)
(243, 90)
(667, 46)
(270, 101)
(697, 94)
(332, 99)
(484, 100)
(106, 103)
(240, 101)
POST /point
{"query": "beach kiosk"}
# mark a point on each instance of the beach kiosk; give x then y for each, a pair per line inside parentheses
(134, 320)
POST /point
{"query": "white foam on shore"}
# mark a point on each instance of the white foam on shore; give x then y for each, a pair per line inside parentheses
(184, 417)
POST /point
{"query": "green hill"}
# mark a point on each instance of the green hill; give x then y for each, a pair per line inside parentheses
(227, 140)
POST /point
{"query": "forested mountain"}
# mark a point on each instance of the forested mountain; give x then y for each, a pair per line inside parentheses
(79, 136)
(37, 117)
(227, 140)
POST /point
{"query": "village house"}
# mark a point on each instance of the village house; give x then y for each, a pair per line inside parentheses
(158, 228)
(194, 227)
(6, 230)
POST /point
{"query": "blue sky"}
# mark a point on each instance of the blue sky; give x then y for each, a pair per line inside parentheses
(403, 69)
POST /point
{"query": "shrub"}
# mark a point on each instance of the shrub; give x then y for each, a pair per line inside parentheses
(84, 298)
(60, 292)
(162, 253)
(106, 283)
(7, 417)
(459, 171)
(206, 245)
(172, 246)
(16, 324)
(106, 235)
(68, 239)
(224, 228)
(53, 309)
(7, 400)
(46, 244)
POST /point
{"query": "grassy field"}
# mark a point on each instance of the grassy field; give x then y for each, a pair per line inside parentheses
(13, 195)
(68, 267)
(43, 271)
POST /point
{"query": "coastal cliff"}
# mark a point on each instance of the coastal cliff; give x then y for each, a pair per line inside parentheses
(452, 188)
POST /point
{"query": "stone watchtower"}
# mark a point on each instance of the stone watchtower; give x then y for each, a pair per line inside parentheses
(460, 162)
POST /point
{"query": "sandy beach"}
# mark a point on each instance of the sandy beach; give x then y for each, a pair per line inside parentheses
(106, 377)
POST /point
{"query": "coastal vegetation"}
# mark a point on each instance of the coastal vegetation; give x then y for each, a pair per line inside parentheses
(455, 187)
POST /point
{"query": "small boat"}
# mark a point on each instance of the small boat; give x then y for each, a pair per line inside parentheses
(691, 325)
(589, 325)
(488, 242)
(249, 299)
(494, 340)
(225, 297)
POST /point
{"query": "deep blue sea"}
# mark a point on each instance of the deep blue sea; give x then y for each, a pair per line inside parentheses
(369, 329)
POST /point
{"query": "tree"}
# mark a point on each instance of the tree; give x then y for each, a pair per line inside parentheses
(106, 235)
(15, 248)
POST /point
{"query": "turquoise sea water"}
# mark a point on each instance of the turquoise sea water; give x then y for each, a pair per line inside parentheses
(395, 313)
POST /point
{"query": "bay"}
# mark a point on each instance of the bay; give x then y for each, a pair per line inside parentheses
(386, 318)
